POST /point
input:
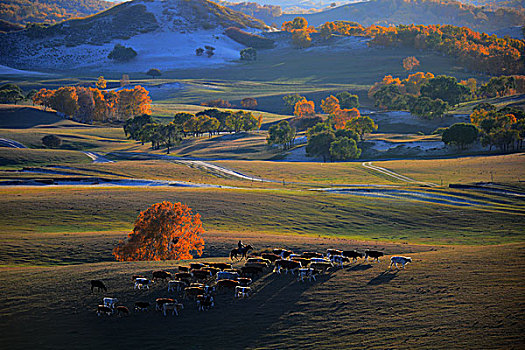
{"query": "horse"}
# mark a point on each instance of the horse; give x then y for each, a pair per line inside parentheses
(240, 251)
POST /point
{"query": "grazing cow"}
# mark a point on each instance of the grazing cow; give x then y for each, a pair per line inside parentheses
(141, 305)
(374, 254)
(183, 275)
(303, 261)
(339, 260)
(242, 292)
(99, 285)
(244, 281)
(330, 252)
(282, 252)
(403, 260)
(226, 275)
(161, 301)
(103, 309)
(205, 302)
(173, 307)
(201, 274)
(230, 284)
(192, 292)
(176, 285)
(197, 266)
(353, 254)
(261, 265)
(251, 270)
(233, 270)
(220, 266)
(161, 275)
(287, 265)
(270, 256)
(321, 266)
(141, 283)
(309, 255)
(134, 277)
(184, 268)
(122, 311)
(306, 273)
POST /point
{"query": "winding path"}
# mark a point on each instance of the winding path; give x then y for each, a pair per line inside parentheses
(395, 175)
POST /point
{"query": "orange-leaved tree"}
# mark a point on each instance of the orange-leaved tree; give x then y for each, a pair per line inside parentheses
(164, 231)
(410, 63)
(304, 108)
(330, 105)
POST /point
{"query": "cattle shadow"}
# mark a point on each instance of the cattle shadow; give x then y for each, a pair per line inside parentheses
(383, 277)
(359, 267)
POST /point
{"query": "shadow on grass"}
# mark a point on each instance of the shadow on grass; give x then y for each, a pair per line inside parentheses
(359, 267)
(383, 277)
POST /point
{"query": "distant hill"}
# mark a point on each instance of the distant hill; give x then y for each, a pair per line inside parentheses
(49, 11)
(386, 12)
(155, 28)
(6, 26)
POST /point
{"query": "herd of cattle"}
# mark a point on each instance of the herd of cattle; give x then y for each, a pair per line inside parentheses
(200, 281)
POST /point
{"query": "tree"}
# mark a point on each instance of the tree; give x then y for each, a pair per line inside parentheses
(248, 54)
(210, 50)
(133, 126)
(344, 148)
(445, 88)
(347, 100)
(362, 125)
(165, 231)
(427, 108)
(409, 63)
(64, 100)
(298, 23)
(301, 39)
(281, 134)
(319, 144)
(101, 83)
(171, 134)
(121, 53)
(199, 51)
(290, 101)
(11, 93)
(330, 105)
(85, 105)
(132, 102)
(124, 80)
(341, 117)
(51, 141)
(43, 98)
(30, 94)
(249, 103)
(154, 72)
(304, 108)
(460, 134)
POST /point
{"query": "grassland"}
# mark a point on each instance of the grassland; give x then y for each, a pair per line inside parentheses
(453, 298)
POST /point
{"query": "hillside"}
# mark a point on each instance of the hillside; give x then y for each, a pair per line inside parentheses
(184, 25)
(386, 12)
(49, 11)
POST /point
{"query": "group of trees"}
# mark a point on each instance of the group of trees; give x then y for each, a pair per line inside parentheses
(478, 51)
(88, 105)
(332, 144)
(209, 50)
(281, 134)
(503, 128)
(144, 128)
(120, 53)
(301, 107)
(12, 93)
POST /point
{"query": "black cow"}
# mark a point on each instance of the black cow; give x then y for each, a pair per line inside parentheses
(374, 254)
(354, 254)
(98, 284)
(287, 265)
(161, 275)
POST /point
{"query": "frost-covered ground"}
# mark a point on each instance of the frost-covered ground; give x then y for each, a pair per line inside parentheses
(4, 70)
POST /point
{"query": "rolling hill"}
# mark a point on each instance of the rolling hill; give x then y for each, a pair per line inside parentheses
(169, 31)
(49, 11)
(386, 12)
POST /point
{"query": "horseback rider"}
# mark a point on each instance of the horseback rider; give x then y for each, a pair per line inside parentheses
(240, 245)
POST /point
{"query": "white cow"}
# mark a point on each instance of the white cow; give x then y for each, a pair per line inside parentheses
(141, 283)
(174, 308)
(175, 285)
(242, 292)
(110, 302)
(399, 260)
(306, 273)
(339, 260)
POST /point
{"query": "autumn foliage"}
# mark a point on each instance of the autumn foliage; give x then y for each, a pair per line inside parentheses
(304, 108)
(409, 63)
(87, 104)
(165, 231)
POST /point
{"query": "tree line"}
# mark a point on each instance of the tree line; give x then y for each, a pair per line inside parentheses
(477, 51)
(145, 128)
(88, 104)
(429, 97)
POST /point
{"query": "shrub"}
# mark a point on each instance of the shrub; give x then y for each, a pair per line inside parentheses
(121, 53)
(249, 54)
(153, 72)
(220, 103)
(51, 141)
(248, 39)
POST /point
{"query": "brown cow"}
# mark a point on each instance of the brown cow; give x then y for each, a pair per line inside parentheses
(287, 265)
(270, 256)
(161, 275)
(220, 266)
(230, 284)
(192, 292)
